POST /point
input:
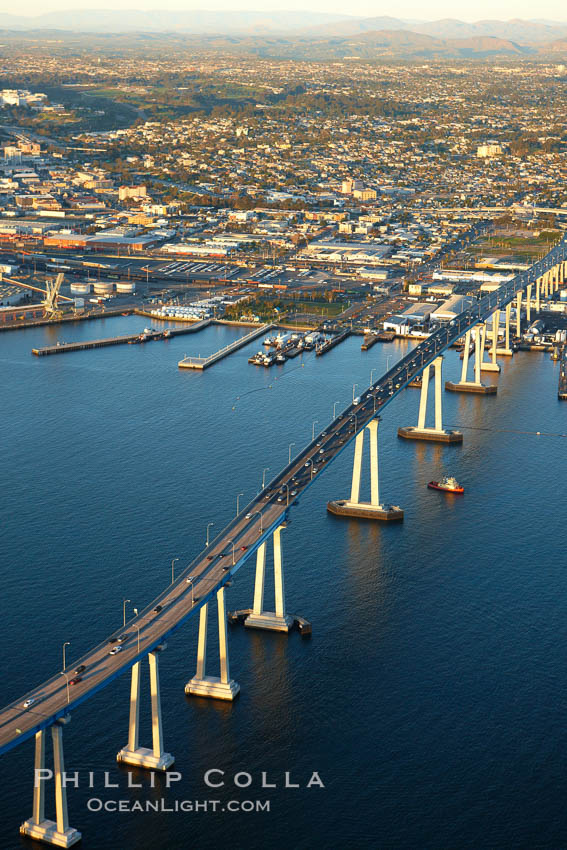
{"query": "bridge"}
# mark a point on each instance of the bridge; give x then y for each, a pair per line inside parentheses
(204, 581)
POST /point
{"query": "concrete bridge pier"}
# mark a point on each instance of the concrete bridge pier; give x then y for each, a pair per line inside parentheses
(519, 314)
(529, 303)
(353, 507)
(464, 385)
(492, 364)
(214, 687)
(58, 833)
(278, 620)
(538, 295)
(156, 758)
(507, 351)
(436, 434)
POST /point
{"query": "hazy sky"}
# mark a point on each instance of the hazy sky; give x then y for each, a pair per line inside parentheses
(463, 9)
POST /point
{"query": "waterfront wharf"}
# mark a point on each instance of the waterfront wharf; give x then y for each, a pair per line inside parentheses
(145, 336)
(204, 362)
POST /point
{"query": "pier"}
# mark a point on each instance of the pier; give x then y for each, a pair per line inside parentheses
(372, 338)
(330, 343)
(204, 362)
(145, 336)
(562, 388)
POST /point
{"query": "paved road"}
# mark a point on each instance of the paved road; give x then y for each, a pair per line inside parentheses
(236, 543)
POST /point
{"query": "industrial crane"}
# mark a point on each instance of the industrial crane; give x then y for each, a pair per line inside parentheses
(51, 293)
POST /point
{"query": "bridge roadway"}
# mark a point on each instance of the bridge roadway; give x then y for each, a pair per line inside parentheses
(213, 567)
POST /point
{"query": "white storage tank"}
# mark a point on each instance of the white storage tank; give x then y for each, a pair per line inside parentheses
(125, 287)
(103, 287)
(80, 288)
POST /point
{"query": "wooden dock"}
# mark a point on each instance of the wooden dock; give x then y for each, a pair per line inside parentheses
(202, 363)
(167, 333)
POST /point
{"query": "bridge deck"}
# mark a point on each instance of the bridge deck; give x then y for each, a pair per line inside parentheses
(213, 567)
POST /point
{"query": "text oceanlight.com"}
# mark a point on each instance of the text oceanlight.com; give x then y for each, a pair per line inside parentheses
(95, 804)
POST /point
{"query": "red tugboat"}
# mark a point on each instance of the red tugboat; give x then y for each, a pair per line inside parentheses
(448, 484)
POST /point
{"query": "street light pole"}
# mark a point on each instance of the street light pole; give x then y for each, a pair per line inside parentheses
(124, 601)
(335, 410)
(266, 469)
(173, 560)
(353, 388)
(138, 629)
(371, 373)
(67, 683)
(237, 503)
(313, 429)
(208, 526)
(261, 519)
(67, 643)
(289, 452)
(190, 581)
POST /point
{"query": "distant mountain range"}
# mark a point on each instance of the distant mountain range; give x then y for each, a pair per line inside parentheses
(314, 23)
(518, 31)
(308, 35)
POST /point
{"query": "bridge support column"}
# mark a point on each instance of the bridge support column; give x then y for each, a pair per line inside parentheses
(492, 364)
(278, 620)
(519, 314)
(436, 434)
(58, 833)
(214, 687)
(507, 351)
(374, 509)
(156, 758)
(529, 303)
(464, 385)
